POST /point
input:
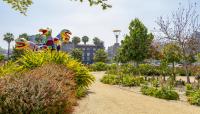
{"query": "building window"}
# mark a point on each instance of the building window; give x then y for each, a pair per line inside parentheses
(88, 58)
(88, 54)
(88, 48)
(83, 48)
(94, 49)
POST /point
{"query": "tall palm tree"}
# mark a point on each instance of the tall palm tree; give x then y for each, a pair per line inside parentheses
(8, 37)
(96, 41)
(76, 40)
(85, 39)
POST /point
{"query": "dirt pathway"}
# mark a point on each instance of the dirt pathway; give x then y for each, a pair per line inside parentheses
(106, 99)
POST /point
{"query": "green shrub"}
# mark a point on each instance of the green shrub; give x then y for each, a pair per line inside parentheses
(123, 80)
(44, 90)
(181, 71)
(81, 92)
(149, 70)
(162, 93)
(2, 57)
(189, 89)
(31, 60)
(155, 83)
(165, 93)
(131, 81)
(194, 97)
(148, 91)
(112, 69)
(110, 79)
(99, 66)
(129, 69)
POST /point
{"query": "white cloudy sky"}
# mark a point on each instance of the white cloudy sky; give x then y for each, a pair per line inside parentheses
(82, 19)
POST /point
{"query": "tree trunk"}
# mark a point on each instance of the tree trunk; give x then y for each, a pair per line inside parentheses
(164, 78)
(8, 50)
(187, 73)
(173, 68)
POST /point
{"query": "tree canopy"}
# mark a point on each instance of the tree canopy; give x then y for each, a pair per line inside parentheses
(23, 5)
(24, 35)
(135, 46)
(76, 40)
(97, 41)
(85, 39)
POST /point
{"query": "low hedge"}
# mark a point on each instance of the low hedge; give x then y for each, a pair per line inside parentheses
(99, 66)
(132, 81)
(123, 80)
(162, 93)
(110, 79)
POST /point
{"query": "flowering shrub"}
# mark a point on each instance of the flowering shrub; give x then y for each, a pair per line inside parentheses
(48, 89)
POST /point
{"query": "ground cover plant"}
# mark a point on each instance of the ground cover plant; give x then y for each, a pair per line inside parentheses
(193, 94)
(162, 93)
(126, 80)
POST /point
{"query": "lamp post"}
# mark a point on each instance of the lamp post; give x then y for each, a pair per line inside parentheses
(117, 33)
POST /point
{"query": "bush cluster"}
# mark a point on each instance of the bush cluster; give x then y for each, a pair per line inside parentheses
(47, 89)
(110, 79)
(143, 69)
(125, 80)
(43, 83)
(194, 97)
(193, 94)
(99, 66)
(162, 93)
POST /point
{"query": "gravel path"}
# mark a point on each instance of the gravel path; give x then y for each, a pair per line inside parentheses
(106, 99)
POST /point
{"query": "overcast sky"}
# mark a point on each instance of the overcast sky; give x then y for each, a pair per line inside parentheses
(82, 19)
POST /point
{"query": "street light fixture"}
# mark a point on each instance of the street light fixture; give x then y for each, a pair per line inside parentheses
(117, 33)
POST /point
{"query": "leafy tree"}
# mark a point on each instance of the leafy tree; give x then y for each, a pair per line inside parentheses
(1, 57)
(8, 37)
(23, 5)
(171, 53)
(154, 52)
(76, 40)
(77, 54)
(119, 57)
(181, 28)
(85, 39)
(135, 46)
(24, 35)
(101, 56)
(98, 42)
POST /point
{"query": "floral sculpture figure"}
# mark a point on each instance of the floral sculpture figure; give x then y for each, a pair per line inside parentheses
(22, 43)
(46, 42)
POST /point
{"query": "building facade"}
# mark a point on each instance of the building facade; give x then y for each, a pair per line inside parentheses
(88, 52)
(112, 51)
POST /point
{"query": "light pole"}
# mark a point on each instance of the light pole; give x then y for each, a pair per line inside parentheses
(117, 33)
